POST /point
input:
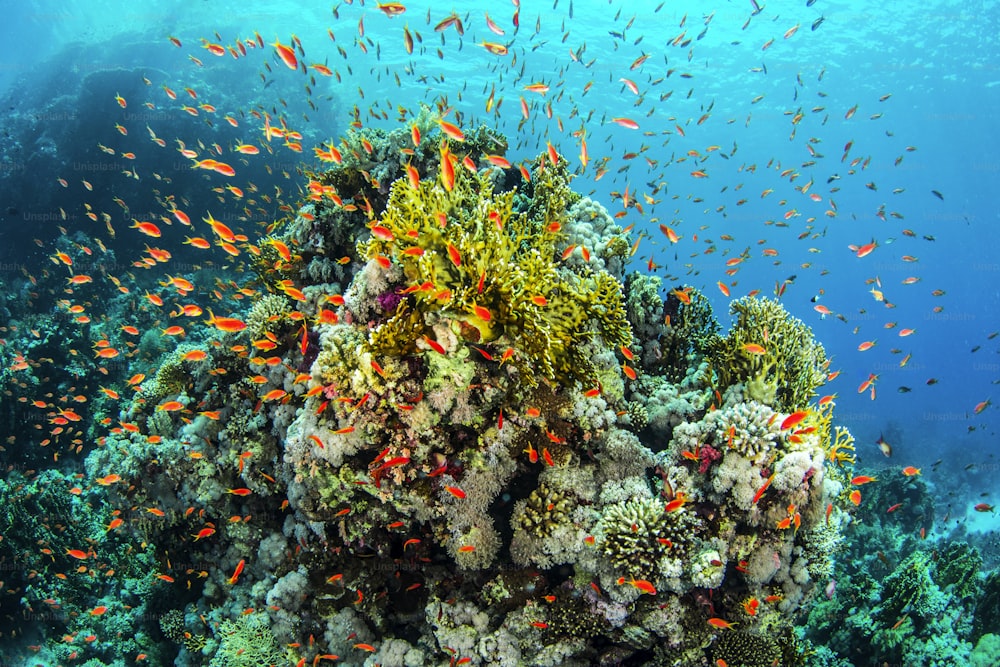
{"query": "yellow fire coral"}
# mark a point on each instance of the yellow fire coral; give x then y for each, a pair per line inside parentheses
(772, 353)
(468, 256)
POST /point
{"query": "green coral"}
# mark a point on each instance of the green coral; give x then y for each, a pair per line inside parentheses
(637, 416)
(173, 627)
(692, 332)
(468, 257)
(987, 606)
(987, 652)
(790, 369)
(551, 196)
(632, 533)
(265, 314)
(171, 378)
(909, 590)
(572, 616)
(247, 642)
(958, 566)
(543, 510)
(823, 541)
(644, 305)
(740, 648)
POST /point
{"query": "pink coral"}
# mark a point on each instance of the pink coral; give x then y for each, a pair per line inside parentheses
(708, 456)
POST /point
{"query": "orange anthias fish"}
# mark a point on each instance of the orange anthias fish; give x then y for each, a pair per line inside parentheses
(287, 54)
(640, 584)
(203, 533)
(225, 323)
(794, 419)
(762, 489)
(236, 573)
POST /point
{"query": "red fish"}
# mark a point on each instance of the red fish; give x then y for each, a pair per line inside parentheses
(794, 419)
(287, 55)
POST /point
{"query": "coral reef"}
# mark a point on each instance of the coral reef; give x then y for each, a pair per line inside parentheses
(446, 427)
(908, 602)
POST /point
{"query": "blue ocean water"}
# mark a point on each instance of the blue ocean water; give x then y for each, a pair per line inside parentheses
(769, 137)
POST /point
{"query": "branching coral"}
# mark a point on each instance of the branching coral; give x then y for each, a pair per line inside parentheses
(772, 353)
(543, 510)
(692, 332)
(637, 535)
(748, 649)
(247, 642)
(265, 314)
(172, 625)
(592, 232)
(466, 255)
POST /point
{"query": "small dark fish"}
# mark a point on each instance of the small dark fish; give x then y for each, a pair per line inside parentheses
(818, 22)
(928, 237)
(993, 335)
(937, 194)
(904, 390)
(970, 466)
(810, 3)
(756, 7)
(977, 348)
(932, 381)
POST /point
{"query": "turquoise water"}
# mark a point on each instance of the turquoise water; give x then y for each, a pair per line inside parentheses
(833, 156)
